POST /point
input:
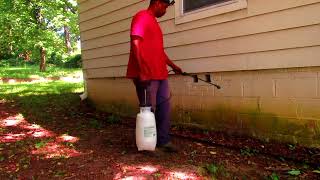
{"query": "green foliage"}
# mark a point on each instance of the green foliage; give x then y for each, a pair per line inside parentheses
(56, 59)
(113, 119)
(157, 175)
(40, 144)
(216, 170)
(248, 152)
(316, 171)
(94, 123)
(2, 158)
(294, 172)
(273, 176)
(291, 147)
(12, 62)
(73, 61)
(28, 25)
(212, 168)
(60, 174)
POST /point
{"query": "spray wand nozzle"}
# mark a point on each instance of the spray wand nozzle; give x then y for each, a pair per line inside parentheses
(187, 74)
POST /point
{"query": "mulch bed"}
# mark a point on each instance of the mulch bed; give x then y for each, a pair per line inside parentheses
(107, 151)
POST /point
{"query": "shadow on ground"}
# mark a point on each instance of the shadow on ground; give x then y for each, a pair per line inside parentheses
(58, 136)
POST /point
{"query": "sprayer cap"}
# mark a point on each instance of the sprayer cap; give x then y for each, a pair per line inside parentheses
(143, 109)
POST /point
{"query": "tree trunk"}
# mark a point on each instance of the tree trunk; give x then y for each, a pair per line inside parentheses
(27, 56)
(43, 59)
(10, 41)
(67, 39)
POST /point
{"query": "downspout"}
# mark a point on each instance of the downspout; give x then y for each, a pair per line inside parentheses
(84, 96)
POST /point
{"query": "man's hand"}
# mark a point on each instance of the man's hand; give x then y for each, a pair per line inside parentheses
(177, 69)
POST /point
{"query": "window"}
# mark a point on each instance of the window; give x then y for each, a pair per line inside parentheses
(191, 5)
(190, 10)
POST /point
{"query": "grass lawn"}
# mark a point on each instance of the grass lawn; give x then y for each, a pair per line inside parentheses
(33, 72)
(33, 96)
(9, 91)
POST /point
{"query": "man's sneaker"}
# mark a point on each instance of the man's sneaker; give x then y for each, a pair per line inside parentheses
(169, 147)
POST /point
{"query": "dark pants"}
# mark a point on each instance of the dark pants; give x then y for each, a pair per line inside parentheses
(158, 96)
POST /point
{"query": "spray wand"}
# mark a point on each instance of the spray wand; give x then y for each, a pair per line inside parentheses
(187, 74)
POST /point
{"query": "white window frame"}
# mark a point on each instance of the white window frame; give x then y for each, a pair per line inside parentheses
(221, 8)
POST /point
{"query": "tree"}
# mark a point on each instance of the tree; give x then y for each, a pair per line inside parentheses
(35, 28)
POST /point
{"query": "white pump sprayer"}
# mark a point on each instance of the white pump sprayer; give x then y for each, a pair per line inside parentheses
(146, 131)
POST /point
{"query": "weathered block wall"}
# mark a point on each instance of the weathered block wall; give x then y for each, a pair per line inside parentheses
(281, 104)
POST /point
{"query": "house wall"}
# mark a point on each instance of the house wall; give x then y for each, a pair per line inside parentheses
(265, 57)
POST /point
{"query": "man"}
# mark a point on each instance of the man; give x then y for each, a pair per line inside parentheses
(148, 67)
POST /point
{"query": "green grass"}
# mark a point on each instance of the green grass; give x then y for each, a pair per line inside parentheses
(33, 72)
(37, 98)
(9, 91)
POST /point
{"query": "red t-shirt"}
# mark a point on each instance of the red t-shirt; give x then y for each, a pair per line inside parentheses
(153, 65)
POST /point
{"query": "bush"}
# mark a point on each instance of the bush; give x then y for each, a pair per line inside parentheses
(55, 59)
(12, 62)
(74, 61)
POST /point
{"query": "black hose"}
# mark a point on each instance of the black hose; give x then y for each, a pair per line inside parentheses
(187, 74)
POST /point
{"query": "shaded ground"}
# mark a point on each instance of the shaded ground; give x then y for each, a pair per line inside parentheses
(65, 139)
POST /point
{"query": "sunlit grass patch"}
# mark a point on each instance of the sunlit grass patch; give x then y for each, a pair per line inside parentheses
(27, 89)
(39, 98)
(33, 72)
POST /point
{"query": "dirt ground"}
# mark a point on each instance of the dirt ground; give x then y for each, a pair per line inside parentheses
(81, 143)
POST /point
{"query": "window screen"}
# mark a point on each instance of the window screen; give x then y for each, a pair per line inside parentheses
(191, 5)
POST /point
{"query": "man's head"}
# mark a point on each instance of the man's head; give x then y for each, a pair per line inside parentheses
(159, 7)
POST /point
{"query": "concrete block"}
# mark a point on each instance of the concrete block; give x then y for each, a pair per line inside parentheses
(279, 106)
(308, 108)
(229, 88)
(192, 103)
(318, 85)
(194, 90)
(214, 103)
(299, 87)
(303, 73)
(274, 74)
(259, 88)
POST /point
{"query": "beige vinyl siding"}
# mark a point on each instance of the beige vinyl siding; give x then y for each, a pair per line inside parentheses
(258, 60)
(254, 8)
(277, 35)
(86, 5)
(81, 1)
(174, 36)
(296, 57)
(102, 10)
(192, 48)
(276, 40)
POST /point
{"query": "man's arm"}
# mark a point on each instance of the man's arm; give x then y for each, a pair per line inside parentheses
(174, 67)
(136, 47)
